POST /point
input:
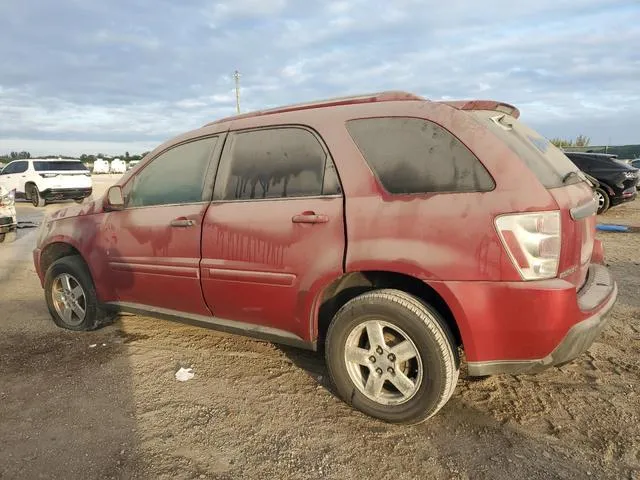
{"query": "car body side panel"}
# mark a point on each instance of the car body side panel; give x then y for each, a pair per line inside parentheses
(152, 263)
(385, 232)
(434, 236)
(259, 267)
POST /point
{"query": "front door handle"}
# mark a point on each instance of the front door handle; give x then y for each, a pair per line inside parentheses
(309, 217)
(182, 222)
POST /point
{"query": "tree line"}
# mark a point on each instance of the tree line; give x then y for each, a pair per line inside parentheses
(85, 158)
(580, 141)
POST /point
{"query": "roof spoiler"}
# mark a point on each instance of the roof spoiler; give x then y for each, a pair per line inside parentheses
(484, 105)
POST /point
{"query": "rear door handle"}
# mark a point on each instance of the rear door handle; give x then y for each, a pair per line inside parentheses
(309, 217)
(182, 222)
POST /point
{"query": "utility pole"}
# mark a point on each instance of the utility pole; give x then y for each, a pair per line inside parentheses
(236, 76)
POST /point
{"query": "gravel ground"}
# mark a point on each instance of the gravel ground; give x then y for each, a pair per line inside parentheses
(106, 404)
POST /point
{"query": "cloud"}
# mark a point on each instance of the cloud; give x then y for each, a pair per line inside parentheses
(127, 71)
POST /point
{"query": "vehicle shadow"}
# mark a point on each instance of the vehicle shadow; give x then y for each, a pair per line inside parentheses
(310, 362)
(468, 438)
(66, 398)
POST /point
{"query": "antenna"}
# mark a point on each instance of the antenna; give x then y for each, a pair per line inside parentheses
(236, 76)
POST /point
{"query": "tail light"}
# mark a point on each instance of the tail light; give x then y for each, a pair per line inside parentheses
(48, 175)
(532, 241)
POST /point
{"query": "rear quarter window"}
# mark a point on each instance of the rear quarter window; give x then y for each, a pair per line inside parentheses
(413, 155)
(547, 162)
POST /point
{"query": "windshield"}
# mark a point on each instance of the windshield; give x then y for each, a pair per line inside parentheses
(59, 166)
(544, 159)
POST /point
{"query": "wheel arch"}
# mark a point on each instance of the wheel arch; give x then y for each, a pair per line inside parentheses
(55, 251)
(27, 190)
(352, 284)
(608, 190)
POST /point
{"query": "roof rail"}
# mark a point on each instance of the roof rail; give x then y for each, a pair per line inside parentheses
(386, 96)
(484, 105)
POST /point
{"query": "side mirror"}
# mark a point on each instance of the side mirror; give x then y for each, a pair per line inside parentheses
(114, 200)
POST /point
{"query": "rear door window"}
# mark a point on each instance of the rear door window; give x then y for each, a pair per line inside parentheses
(283, 162)
(549, 164)
(58, 166)
(413, 155)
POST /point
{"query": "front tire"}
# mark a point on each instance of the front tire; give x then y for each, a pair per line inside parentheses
(604, 202)
(71, 296)
(392, 356)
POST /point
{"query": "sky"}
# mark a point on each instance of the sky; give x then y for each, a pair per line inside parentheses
(89, 76)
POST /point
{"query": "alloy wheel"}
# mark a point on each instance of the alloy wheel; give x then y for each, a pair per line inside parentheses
(383, 362)
(69, 299)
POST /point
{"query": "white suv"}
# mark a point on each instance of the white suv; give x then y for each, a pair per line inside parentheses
(41, 180)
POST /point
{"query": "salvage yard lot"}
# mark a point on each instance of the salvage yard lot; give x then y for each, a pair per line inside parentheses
(106, 404)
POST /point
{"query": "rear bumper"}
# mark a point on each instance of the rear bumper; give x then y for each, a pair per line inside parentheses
(66, 193)
(577, 341)
(627, 195)
(526, 327)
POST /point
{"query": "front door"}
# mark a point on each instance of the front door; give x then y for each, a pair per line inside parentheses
(274, 231)
(153, 245)
(13, 176)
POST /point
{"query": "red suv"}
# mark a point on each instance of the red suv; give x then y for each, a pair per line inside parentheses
(390, 230)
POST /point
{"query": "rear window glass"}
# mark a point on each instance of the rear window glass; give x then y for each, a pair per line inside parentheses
(412, 155)
(549, 164)
(58, 166)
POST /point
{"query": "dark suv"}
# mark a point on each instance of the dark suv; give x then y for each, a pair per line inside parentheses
(617, 180)
(387, 230)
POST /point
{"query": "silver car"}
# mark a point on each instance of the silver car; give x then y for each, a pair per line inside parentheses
(8, 221)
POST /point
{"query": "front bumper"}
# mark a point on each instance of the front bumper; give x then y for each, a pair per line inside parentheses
(66, 193)
(597, 296)
(8, 224)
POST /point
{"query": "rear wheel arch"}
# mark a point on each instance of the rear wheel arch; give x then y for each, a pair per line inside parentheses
(606, 188)
(350, 285)
(27, 189)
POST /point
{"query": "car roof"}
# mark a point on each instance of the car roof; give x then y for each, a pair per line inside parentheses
(54, 159)
(312, 114)
(373, 99)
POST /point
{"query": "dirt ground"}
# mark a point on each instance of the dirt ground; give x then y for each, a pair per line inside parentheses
(106, 404)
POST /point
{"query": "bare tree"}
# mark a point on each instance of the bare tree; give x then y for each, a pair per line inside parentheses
(582, 141)
(561, 142)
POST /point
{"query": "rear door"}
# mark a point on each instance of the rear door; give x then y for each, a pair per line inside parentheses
(153, 245)
(275, 230)
(568, 187)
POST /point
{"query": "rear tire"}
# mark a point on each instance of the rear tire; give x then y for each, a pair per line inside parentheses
(36, 199)
(71, 296)
(392, 356)
(604, 202)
